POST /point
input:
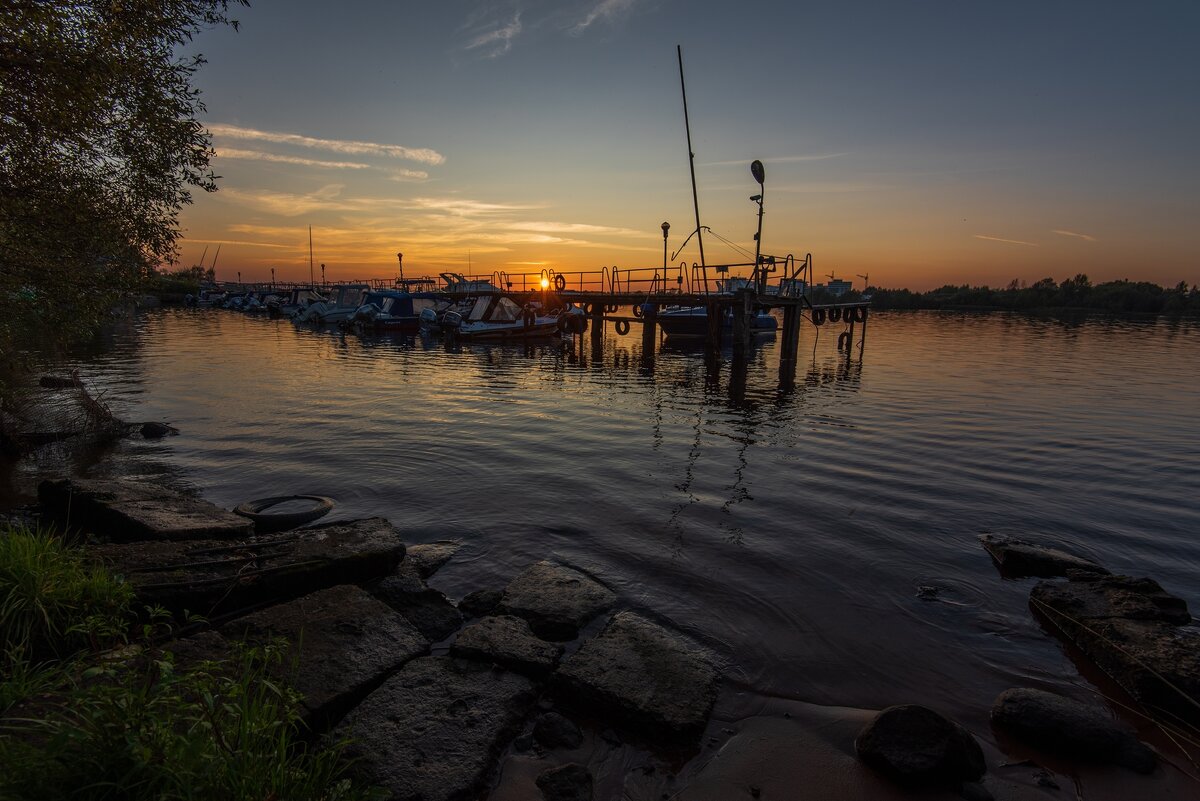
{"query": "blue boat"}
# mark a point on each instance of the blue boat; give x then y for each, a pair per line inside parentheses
(392, 309)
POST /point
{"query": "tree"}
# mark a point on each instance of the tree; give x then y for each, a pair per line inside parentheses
(99, 150)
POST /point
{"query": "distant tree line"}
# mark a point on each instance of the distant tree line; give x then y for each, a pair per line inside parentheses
(1073, 293)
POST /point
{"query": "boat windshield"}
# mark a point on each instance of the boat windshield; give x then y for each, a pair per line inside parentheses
(506, 311)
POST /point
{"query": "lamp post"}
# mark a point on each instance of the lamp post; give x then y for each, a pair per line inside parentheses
(239, 277)
(400, 260)
(756, 169)
(272, 278)
(322, 274)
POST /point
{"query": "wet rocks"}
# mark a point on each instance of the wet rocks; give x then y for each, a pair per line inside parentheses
(434, 730)
(427, 558)
(556, 600)
(552, 730)
(342, 642)
(1067, 727)
(208, 576)
(131, 510)
(1017, 558)
(1134, 631)
(429, 610)
(917, 747)
(60, 382)
(642, 675)
(507, 641)
(480, 602)
(571, 782)
(153, 430)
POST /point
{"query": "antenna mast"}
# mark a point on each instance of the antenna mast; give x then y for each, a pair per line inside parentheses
(691, 156)
(311, 279)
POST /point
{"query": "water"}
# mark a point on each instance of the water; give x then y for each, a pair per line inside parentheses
(790, 530)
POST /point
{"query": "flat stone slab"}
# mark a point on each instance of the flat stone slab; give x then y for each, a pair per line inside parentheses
(342, 643)
(429, 610)
(132, 510)
(211, 576)
(507, 641)
(556, 600)
(638, 674)
(434, 731)
(427, 558)
(1132, 630)
(1018, 558)
(1070, 728)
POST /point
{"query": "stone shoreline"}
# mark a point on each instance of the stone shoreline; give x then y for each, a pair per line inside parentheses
(443, 700)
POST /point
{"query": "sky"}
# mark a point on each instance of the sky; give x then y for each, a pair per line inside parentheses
(918, 142)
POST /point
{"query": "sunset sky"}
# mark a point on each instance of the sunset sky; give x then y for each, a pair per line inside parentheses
(922, 142)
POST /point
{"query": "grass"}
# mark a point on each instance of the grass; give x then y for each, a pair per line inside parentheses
(127, 722)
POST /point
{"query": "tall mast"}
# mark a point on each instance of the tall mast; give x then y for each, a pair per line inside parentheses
(691, 156)
(311, 279)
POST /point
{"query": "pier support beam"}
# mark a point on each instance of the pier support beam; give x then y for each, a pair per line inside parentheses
(742, 311)
(649, 332)
(714, 320)
(789, 345)
(597, 325)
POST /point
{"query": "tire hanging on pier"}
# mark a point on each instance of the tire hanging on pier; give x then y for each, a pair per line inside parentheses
(844, 341)
(622, 327)
(611, 309)
(638, 311)
(818, 316)
(860, 314)
(560, 283)
(835, 314)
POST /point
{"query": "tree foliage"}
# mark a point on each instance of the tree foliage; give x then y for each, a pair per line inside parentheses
(100, 148)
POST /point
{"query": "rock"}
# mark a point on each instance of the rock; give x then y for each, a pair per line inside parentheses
(974, 791)
(1017, 558)
(434, 730)
(426, 558)
(480, 602)
(426, 608)
(571, 782)
(1069, 728)
(507, 641)
(152, 430)
(555, 600)
(644, 676)
(210, 576)
(552, 730)
(1087, 598)
(207, 646)
(1132, 630)
(916, 747)
(342, 643)
(131, 510)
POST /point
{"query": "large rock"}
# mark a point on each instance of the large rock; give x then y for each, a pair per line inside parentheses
(426, 608)
(552, 730)
(427, 558)
(642, 675)
(556, 600)
(433, 731)
(1132, 630)
(480, 602)
(209, 576)
(571, 782)
(1017, 558)
(342, 643)
(507, 641)
(132, 510)
(917, 747)
(1065, 726)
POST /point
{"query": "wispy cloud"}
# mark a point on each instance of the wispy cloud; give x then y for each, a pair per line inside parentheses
(499, 39)
(1008, 241)
(462, 206)
(348, 146)
(1077, 236)
(607, 10)
(286, 204)
(258, 155)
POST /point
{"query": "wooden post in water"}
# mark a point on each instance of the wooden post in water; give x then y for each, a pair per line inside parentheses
(862, 337)
(741, 322)
(649, 330)
(713, 323)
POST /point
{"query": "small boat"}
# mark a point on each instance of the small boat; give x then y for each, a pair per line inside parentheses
(501, 317)
(692, 321)
(392, 309)
(289, 305)
(346, 300)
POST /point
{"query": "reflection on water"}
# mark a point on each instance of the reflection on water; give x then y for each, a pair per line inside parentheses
(820, 532)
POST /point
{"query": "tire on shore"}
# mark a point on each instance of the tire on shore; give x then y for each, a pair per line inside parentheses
(265, 521)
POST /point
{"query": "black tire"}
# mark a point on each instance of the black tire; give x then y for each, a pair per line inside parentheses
(818, 316)
(843, 340)
(266, 522)
(622, 327)
(638, 311)
(860, 314)
(835, 314)
(610, 309)
(560, 283)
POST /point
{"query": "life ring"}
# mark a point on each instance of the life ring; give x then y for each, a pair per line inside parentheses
(560, 283)
(835, 314)
(818, 316)
(638, 311)
(622, 327)
(281, 521)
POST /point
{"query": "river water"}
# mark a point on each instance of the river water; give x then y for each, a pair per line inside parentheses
(820, 538)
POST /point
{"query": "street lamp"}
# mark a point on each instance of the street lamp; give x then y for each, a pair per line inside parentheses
(400, 259)
(272, 278)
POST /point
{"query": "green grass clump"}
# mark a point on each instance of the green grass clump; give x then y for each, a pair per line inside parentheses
(53, 602)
